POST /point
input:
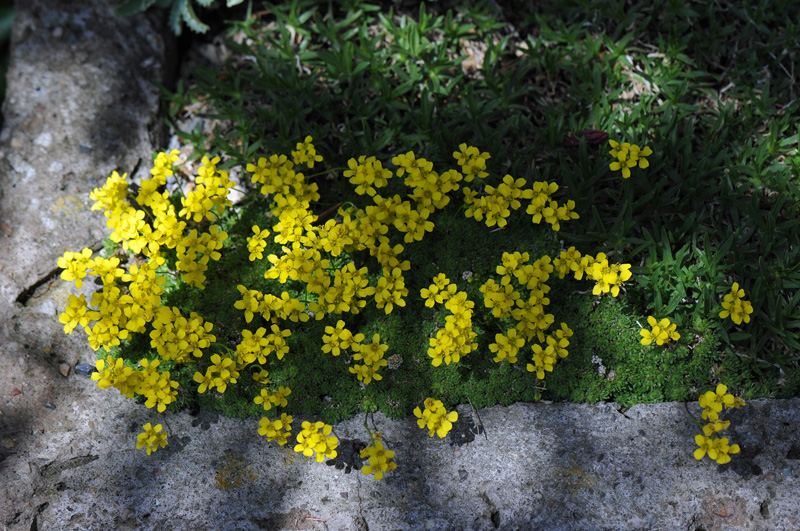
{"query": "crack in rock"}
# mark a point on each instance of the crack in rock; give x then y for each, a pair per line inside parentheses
(56, 467)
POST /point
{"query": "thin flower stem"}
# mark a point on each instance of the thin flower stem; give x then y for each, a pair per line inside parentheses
(695, 419)
(332, 170)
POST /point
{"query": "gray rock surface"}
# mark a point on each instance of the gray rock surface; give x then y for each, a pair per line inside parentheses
(79, 106)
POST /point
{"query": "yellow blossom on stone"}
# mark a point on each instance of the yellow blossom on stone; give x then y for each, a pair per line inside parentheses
(380, 460)
(277, 430)
(713, 402)
(317, 438)
(152, 438)
(74, 266)
(435, 418)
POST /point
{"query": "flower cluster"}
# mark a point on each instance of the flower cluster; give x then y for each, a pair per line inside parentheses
(506, 346)
(219, 374)
(521, 295)
(150, 224)
(255, 347)
(129, 299)
(257, 243)
(472, 162)
(316, 438)
(278, 430)
(306, 153)
(713, 403)
(339, 338)
(157, 387)
(127, 302)
(151, 438)
(371, 354)
(457, 338)
(555, 347)
(505, 299)
(390, 290)
(735, 306)
(439, 292)
(608, 277)
(435, 418)
(367, 174)
(542, 207)
(209, 198)
(660, 331)
(347, 289)
(277, 176)
(74, 266)
(628, 156)
(278, 398)
(76, 313)
(271, 307)
(206, 202)
(181, 231)
(496, 204)
(379, 458)
(176, 338)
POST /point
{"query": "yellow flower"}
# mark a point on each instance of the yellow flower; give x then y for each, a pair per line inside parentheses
(662, 331)
(506, 346)
(316, 438)
(380, 460)
(712, 402)
(390, 290)
(543, 360)
(435, 418)
(337, 338)
(438, 292)
(628, 156)
(76, 314)
(257, 243)
(75, 266)
(306, 153)
(734, 306)
(717, 449)
(276, 430)
(206, 381)
(151, 438)
(472, 162)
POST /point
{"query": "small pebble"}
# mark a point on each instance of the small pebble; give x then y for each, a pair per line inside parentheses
(64, 369)
(85, 369)
(50, 405)
(462, 474)
(15, 392)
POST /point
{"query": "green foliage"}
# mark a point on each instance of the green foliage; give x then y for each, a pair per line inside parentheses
(707, 87)
(180, 11)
